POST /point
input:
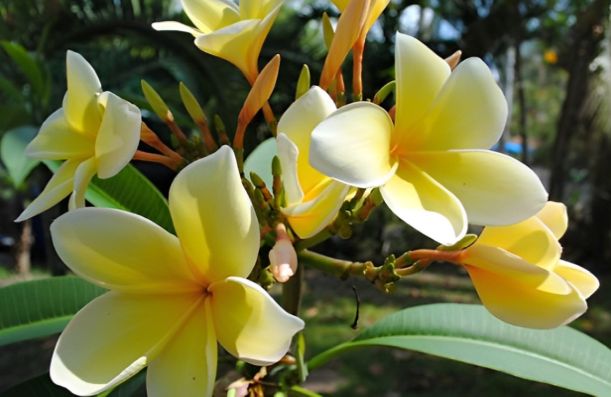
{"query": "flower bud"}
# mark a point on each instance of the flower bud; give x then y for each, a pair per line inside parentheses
(282, 257)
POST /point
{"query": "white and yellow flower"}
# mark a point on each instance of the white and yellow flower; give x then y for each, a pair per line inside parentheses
(313, 199)
(431, 164)
(95, 132)
(519, 276)
(228, 31)
(171, 297)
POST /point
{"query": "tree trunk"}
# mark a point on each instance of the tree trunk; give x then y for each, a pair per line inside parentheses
(23, 263)
(521, 101)
(586, 37)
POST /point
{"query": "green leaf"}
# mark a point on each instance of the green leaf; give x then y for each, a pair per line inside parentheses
(40, 386)
(563, 357)
(38, 308)
(131, 191)
(28, 65)
(12, 153)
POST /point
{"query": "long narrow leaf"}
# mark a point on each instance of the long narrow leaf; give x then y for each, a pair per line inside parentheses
(38, 308)
(563, 357)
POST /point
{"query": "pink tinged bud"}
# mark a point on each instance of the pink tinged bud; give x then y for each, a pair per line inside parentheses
(282, 257)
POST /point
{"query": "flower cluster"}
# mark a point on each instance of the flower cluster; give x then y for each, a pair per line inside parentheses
(173, 297)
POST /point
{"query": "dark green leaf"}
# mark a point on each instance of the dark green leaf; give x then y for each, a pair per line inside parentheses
(32, 309)
(129, 190)
(40, 386)
(563, 357)
(28, 65)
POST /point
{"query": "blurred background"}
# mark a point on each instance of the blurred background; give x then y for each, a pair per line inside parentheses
(550, 57)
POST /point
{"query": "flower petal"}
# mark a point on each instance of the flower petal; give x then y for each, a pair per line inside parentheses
(581, 279)
(352, 145)
(420, 74)
(259, 161)
(469, 113)
(82, 176)
(118, 136)
(56, 140)
(214, 218)
(80, 104)
(310, 217)
(257, 9)
(233, 44)
(121, 251)
(298, 122)
(187, 364)
(425, 205)
(115, 336)
(249, 324)
(554, 216)
(288, 154)
(529, 239)
(176, 27)
(211, 15)
(261, 32)
(58, 188)
(520, 293)
(495, 189)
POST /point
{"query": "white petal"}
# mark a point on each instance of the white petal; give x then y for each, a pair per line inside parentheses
(114, 337)
(211, 15)
(581, 279)
(175, 26)
(82, 176)
(495, 189)
(298, 122)
(118, 136)
(187, 364)
(425, 205)
(214, 218)
(56, 140)
(554, 216)
(58, 188)
(529, 239)
(469, 113)
(288, 153)
(80, 101)
(121, 251)
(420, 74)
(310, 217)
(249, 324)
(352, 145)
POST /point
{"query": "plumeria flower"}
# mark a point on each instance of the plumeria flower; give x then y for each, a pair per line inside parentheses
(519, 276)
(431, 164)
(95, 132)
(171, 297)
(228, 31)
(313, 199)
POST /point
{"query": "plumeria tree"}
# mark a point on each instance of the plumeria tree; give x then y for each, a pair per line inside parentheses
(163, 282)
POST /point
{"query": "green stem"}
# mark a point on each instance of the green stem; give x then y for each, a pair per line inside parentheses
(322, 358)
(300, 391)
(291, 292)
(314, 240)
(338, 267)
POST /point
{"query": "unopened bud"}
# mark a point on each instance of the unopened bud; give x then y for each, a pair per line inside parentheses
(303, 83)
(282, 257)
(454, 59)
(157, 103)
(191, 104)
